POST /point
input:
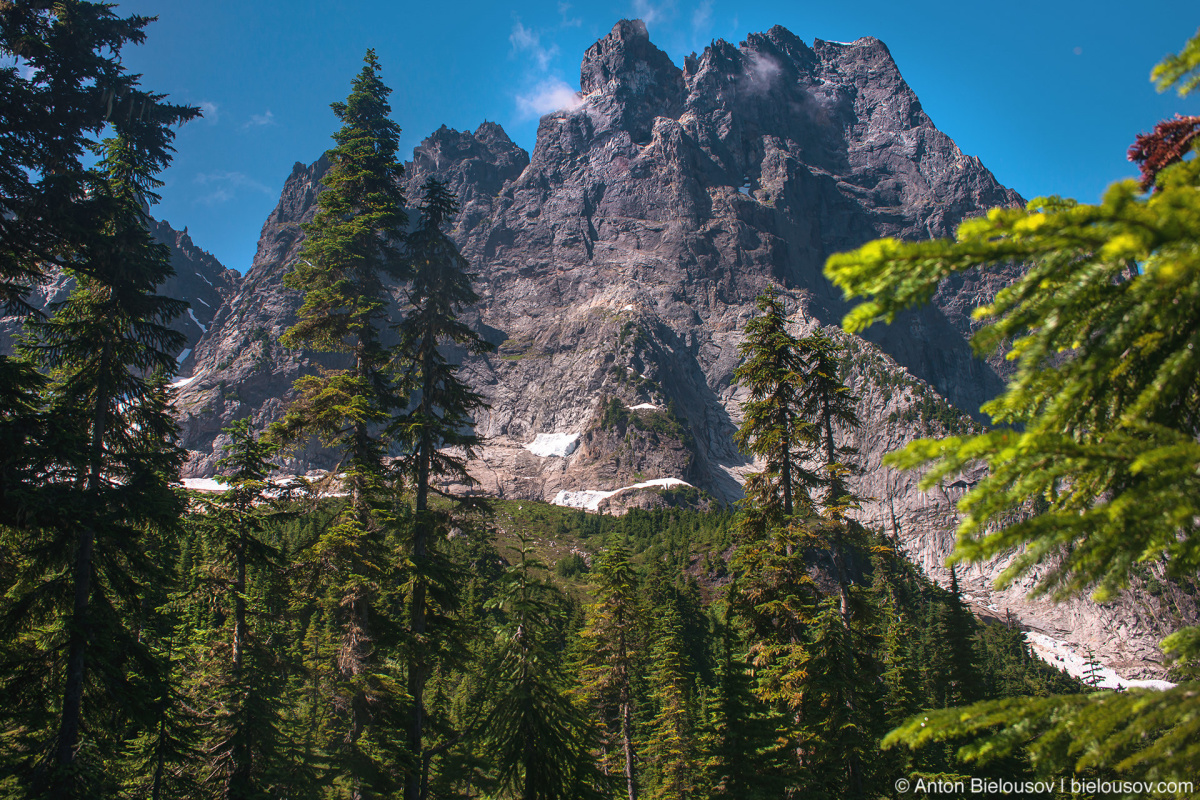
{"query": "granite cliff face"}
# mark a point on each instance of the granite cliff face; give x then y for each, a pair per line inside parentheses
(619, 263)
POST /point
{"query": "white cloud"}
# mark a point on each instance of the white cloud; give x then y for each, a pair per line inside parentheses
(762, 69)
(527, 40)
(552, 94)
(568, 22)
(210, 110)
(650, 12)
(225, 186)
(259, 120)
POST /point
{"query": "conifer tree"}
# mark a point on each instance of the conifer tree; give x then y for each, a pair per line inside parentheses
(773, 593)
(836, 729)
(56, 109)
(350, 256)
(242, 677)
(1091, 673)
(899, 638)
(670, 749)
(743, 757)
(826, 402)
(612, 644)
(538, 738)
(961, 631)
(775, 427)
(107, 350)
(1096, 447)
(440, 419)
(66, 85)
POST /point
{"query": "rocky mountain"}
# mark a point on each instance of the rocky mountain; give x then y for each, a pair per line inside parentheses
(199, 279)
(619, 263)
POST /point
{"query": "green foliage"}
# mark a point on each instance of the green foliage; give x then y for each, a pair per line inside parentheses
(670, 751)
(825, 401)
(352, 609)
(539, 738)
(775, 428)
(744, 740)
(440, 291)
(247, 645)
(612, 643)
(1094, 468)
(238, 673)
(73, 90)
(1138, 733)
(570, 566)
(100, 442)
(438, 435)
(1181, 70)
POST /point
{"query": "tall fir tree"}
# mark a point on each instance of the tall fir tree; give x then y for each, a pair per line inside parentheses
(114, 456)
(438, 426)
(775, 428)
(744, 754)
(238, 674)
(612, 644)
(350, 257)
(836, 731)
(961, 627)
(669, 750)
(827, 405)
(539, 740)
(66, 85)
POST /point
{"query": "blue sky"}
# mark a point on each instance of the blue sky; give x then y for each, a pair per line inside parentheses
(1048, 93)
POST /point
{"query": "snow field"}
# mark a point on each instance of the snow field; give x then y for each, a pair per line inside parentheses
(547, 445)
(590, 499)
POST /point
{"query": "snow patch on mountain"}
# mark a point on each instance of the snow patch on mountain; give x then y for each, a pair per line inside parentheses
(547, 445)
(1058, 653)
(590, 499)
(204, 485)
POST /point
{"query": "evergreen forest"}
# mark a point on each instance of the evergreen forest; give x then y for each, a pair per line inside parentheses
(368, 635)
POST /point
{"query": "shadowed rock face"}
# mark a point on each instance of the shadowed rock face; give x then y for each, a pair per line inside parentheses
(618, 265)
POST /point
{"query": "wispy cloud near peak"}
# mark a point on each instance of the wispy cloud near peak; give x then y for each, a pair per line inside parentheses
(552, 94)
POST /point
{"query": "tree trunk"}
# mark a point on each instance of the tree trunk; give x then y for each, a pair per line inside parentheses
(414, 786)
(81, 625)
(627, 741)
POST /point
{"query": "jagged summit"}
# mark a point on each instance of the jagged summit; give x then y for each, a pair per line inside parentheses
(629, 81)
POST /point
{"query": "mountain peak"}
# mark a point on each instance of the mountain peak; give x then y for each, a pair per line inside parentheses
(635, 81)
